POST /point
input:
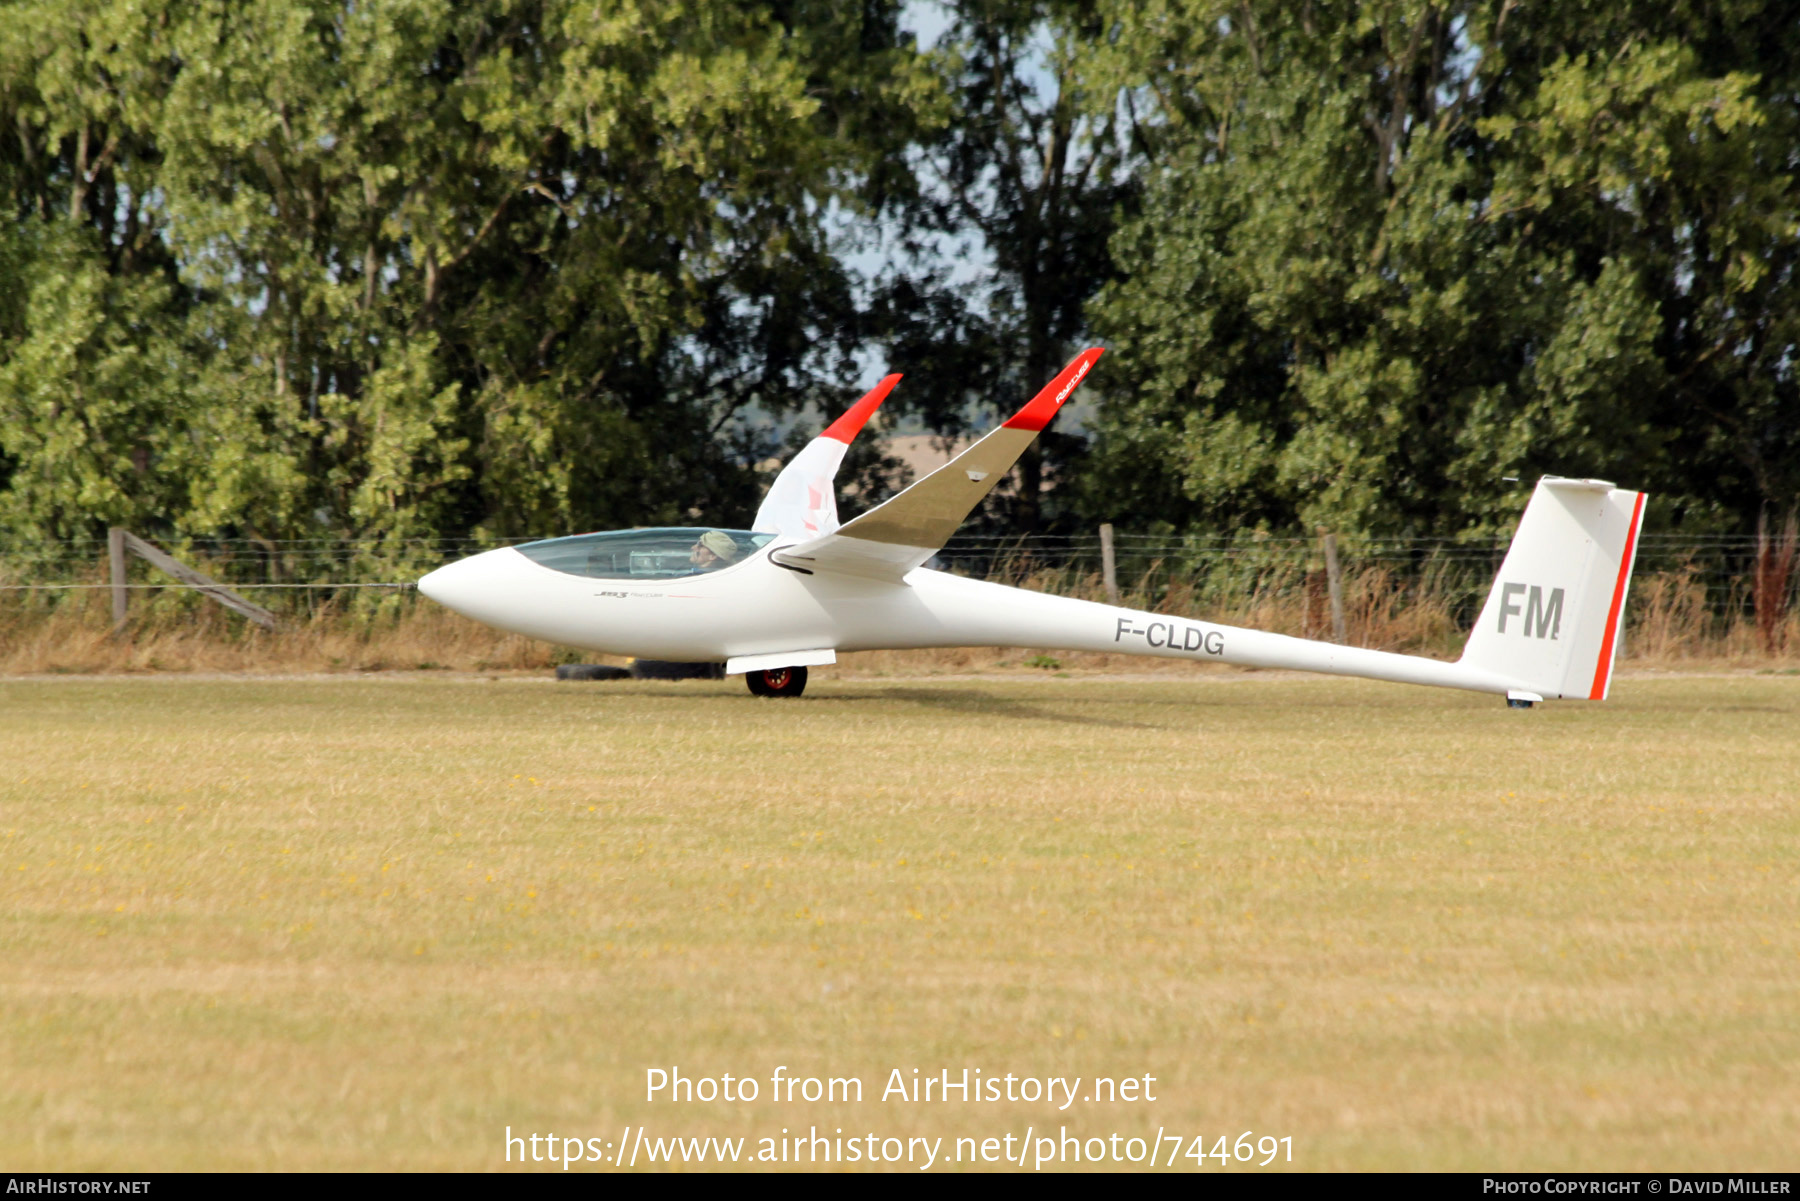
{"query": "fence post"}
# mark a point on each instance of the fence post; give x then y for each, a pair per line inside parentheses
(1109, 567)
(164, 562)
(115, 557)
(1334, 577)
(1770, 580)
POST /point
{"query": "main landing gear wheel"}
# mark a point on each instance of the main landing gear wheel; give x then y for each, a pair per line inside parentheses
(777, 681)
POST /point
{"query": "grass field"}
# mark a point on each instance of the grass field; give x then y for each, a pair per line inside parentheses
(370, 923)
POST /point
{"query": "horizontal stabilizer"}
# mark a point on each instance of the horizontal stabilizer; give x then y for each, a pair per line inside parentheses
(898, 535)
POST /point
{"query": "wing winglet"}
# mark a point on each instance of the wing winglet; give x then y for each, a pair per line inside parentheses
(845, 428)
(1045, 405)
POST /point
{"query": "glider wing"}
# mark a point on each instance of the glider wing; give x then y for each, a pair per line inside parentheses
(898, 535)
(802, 502)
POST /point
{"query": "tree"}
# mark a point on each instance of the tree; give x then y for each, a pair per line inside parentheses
(1390, 254)
(92, 314)
(433, 268)
(1029, 170)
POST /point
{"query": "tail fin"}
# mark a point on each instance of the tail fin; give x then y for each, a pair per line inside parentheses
(1552, 621)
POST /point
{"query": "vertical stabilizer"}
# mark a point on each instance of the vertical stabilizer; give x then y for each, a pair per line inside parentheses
(1553, 619)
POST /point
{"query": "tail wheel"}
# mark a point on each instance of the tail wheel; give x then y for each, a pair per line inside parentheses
(777, 681)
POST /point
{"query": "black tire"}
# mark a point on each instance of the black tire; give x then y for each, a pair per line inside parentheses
(778, 681)
(662, 669)
(590, 671)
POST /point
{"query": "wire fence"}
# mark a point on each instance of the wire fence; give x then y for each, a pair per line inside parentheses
(332, 603)
(305, 573)
(1720, 567)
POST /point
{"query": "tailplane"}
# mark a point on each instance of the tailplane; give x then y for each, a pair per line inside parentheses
(1553, 619)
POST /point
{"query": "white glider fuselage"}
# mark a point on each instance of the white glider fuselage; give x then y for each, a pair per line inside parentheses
(758, 608)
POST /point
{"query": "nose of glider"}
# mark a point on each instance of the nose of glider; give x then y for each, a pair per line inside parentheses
(476, 586)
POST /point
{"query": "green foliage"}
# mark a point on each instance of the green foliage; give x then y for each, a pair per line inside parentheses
(1390, 254)
(89, 382)
(426, 268)
(1030, 167)
(502, 268)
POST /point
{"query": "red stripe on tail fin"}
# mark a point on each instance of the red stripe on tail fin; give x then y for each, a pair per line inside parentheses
(1603, 668)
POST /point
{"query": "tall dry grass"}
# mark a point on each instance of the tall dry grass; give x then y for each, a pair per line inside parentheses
(76, 636)
(1671, 620)
(1380, 609)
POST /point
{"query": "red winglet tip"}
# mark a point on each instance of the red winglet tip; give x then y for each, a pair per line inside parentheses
(845, 428)
(1036, 415)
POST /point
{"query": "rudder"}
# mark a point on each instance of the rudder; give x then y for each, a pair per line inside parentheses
(1553, 617)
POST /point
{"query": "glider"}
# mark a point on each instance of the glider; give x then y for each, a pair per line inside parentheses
(797, 587)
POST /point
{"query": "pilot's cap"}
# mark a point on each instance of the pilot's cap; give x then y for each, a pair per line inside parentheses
(719, 544)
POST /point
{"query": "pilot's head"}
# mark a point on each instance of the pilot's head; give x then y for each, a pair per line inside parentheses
(713, 549)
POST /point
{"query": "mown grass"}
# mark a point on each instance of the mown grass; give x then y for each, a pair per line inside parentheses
(370, 923)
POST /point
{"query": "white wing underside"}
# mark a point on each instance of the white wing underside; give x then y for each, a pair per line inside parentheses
(802, 502)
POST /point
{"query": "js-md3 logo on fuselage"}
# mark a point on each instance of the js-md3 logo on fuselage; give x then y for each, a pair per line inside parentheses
(1542, 618)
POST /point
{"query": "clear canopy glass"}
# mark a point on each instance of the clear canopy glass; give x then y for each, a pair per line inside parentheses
(652, 554)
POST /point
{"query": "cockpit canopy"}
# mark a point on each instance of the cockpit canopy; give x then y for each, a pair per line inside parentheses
(653, 554)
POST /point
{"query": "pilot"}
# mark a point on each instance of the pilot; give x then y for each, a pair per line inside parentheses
(713, 550)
